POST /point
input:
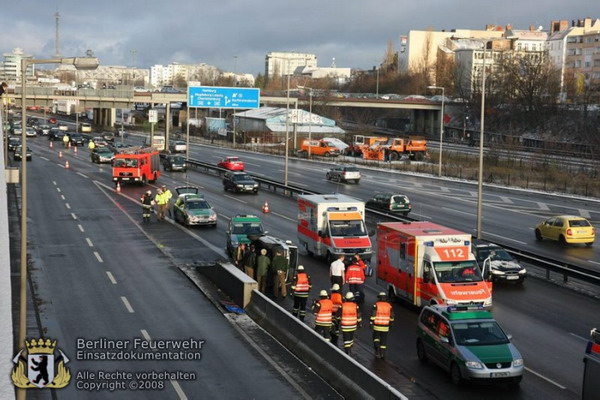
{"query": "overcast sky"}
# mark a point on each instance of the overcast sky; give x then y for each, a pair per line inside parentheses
(235, 35)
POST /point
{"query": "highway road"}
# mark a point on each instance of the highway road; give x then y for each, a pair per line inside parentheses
(550, 324)
(99, 274)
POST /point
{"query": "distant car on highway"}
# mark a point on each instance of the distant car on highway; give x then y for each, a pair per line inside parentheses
(344, 173)
(191, 208)
(13, 142)
(55, 134)
(231, 163)
(99, 141)
(108, 136)
(18, 153)
(86, 127)
(30, 132)
(390, 202)
(52, 120)
(43, 130)
(178, 146)
(500, 264)
(239, 182)
(76, 139)
(174, 163)
(101, 154)
(63, 127)
(566, 229)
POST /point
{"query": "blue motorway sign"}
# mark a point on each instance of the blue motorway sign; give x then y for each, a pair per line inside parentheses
(223, 97)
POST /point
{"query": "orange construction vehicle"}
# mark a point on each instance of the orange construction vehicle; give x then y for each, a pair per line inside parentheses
(319, 147)
(394, 148)
(138, 165)
(362, 143)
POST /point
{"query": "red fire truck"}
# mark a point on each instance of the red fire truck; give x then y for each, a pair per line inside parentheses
(426, 263)
(138, 165)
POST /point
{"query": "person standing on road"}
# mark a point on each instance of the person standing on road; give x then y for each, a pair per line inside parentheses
(355, 276)
(336, 271)
(323, 310)
(381, 320)
(168, 195)
(262, 270)
(91, 145)
(300, 288)
(161, 202)
(250, 261)
(147, 203)
(349, 320)
(280, 267)
(65, 140)
(336, 299)
(238, 255)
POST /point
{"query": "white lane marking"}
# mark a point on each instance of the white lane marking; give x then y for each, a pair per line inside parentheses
(473, 194)
(80, 228)
(417, 184)
(543, 206)
(422, 215)
(83, 175)
(98, 257)
(506, 200)
(68, 206)
(60, 165)
(594, 262)
(544, 378)
(225, 216)
(54, 182)
(249, 163)
(444, 189)
(111, 277)
(44, 158)
(146, 335)
(89, 242)
(58, 189)
(176, 386)
(504, 237)
(62, 196)
(584, 213)
(457, 211)
(233, 198)
(298, 184)
(74, 216)
(283, 216)
(578, 337)
(127, 305)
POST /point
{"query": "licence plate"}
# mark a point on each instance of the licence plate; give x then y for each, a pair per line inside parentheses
(124, 179)
(512, 277)
(582, 232)
(499, 374)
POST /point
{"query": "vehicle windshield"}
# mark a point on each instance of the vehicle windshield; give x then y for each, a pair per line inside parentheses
(177, 160)
(242, 178)
(578, 223)
(232, 160)
(126, 163)
(351, 169)
(247, 228)
(197, 204)
(457, 272)
(354, 227)
(483, 333)
(499, 254)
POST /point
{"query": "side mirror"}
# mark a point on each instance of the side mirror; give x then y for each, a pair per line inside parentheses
(228, 232)
(320, 233)
(444, 339)
(509, 336)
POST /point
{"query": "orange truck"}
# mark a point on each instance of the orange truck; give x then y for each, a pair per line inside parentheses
(319, 147)
(394, 148)
(138, 165)
(361, 143)
(426, 263)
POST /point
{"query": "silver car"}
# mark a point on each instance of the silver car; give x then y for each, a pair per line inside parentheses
(344, 173)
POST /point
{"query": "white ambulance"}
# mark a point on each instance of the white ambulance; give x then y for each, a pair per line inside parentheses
(333, 224)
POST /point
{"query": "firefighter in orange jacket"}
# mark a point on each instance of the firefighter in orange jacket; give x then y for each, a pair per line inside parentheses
(323, 309)
(381, 320)
(355, 276)
(300, 288)
(336, 299)
(349, 320)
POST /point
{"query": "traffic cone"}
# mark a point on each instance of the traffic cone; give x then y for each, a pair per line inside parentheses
(265, 207)
(51, 144)
(118, 187)
(67, 164)
(69, 144)
(60, 154)
(75, 149)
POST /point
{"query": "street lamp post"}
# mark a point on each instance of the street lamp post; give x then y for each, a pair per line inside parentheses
(441, 126)
(287, 132)
(310, 96)
(83, 63)
(481, 127)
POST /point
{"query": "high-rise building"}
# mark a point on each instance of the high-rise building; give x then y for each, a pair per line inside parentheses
(10, 68)
(283, 63)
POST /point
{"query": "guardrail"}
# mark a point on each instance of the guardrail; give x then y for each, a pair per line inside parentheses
(566, 269)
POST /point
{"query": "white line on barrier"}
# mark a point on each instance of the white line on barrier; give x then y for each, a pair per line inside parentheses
(74, 216)
(584, 213)
(127, 305)
(543, 206)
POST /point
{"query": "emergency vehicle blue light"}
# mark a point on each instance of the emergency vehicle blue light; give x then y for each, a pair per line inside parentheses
(430, 244)
(467, 242)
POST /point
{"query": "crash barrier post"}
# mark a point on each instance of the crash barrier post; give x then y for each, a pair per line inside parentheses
(233, 282)
(343, 373)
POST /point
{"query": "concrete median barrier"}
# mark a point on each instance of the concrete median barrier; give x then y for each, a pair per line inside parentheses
(236, 284)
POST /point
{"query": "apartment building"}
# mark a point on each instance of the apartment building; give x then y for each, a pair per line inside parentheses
(10, 68)
(283, 63)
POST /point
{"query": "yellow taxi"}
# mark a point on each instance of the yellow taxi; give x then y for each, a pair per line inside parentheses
(566, 229)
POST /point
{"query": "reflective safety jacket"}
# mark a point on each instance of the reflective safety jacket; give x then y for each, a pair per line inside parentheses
(355, 274)
(301, 284)
(382, 317)
(350, 316)
(337, 301)
(323, 312)
(161, 199)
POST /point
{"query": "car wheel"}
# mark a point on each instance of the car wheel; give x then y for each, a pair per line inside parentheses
(538, 234)
(356, 181)
(421, 351)
(562, 240)
(589, 244)
(143, 181)
(327, 154)
(255, 191)
(394, 156)
(224, 188)
(328, 177)
(214, 226)
(455, 374)
(303, 154)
